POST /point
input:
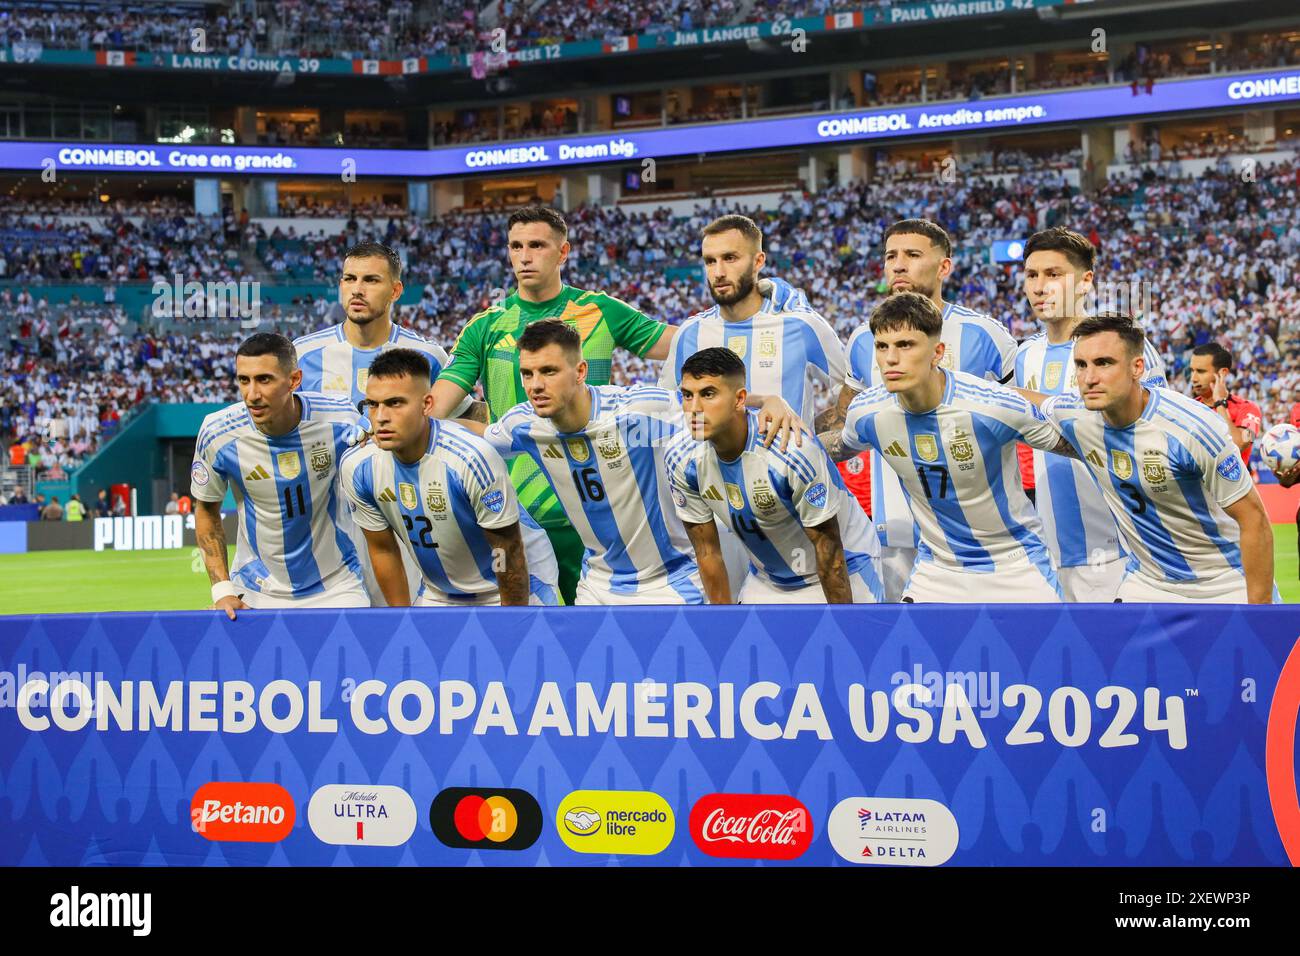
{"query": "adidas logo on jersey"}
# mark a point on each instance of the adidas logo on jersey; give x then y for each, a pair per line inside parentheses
(712, 494)
(387, 495)
(257, 473)
(552, 451)
(896, 450)
(1095, 459)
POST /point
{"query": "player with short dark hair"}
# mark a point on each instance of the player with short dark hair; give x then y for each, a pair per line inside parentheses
(1058, 279)
(1193, 523)
(807, 540)
(439, 493)
(1211, 368)
(917, 259)
(278, 451)
(487, 351)
(336, 360)
(950, 437)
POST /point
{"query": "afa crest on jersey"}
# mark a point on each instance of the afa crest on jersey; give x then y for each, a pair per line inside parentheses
(762, 495)
(1121, 464)
(962, 448)
(320, 458)
(406, 494)
(578, 449)
(767, 344)
(435, 498)
(609, 448)
(1153, 467)
(288, 464)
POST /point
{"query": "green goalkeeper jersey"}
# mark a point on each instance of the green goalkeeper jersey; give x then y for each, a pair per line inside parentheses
(487, 349)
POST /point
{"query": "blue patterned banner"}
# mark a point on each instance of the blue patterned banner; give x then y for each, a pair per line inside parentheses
(966, 735)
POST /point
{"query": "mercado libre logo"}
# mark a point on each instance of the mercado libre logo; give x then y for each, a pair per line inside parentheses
(474, 818)
(615, 821)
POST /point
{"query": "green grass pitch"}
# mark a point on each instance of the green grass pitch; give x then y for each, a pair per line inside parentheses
(49, 582)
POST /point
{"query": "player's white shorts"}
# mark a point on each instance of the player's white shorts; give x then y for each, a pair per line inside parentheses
(1092, 583)
(350, 593)
(758, 591)
(681, 588)
(1019, 581)
(1228, 588)
(540, 594)
(895, 568)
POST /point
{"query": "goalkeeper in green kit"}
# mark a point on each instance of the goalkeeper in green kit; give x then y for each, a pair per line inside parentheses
(485, 350)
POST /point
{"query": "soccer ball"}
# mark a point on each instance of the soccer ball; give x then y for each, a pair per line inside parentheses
(1279, 449)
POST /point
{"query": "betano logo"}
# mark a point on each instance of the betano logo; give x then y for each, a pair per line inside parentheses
(615, 821)
(350, 815)
(242, 812)
(471, 818)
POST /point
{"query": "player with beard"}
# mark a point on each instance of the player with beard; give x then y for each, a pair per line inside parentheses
(918, 258)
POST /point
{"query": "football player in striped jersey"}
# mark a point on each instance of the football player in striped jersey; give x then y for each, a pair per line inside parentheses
(440, 493)
(807, 540)
(951, 439)
(1077, 525)
(1168, 467)
(278, 451)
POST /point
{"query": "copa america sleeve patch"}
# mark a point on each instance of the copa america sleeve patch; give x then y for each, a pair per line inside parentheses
(1230, 467)
(816, 495)
(199, 473)
(494, 501)
(679, 498)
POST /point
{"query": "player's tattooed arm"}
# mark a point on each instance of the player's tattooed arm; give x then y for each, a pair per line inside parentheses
(1256, 546)
(510, 564)
(833, 441)
(708, 555)
(386, 561)
(1064, 449)
(832, 419)
(831, 566)
(477, 412)
(211, 539)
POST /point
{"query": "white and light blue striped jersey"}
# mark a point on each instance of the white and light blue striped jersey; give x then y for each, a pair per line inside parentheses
(333, 365)
(785, 352)
(294, 527)
(1167, 478)
(439, 507)
(974, 343)
(959, 470)
(769, 497)
(610, 479)
(1077, 523)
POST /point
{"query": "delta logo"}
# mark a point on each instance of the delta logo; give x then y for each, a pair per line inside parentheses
(354, 815)
(474, 818)
(230, 812)
(751, 826)
(615, 821)
(893, 832)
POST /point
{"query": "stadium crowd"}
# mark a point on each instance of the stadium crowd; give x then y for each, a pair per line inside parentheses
(1217, 258)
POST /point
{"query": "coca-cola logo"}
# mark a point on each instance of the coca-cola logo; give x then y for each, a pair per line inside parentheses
(752, 826)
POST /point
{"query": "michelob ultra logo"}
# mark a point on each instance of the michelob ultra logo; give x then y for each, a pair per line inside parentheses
(242, 812)
(479, 818)
(349, 815)
(615, 821)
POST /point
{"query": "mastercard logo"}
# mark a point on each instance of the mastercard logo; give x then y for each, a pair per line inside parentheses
(480, 818)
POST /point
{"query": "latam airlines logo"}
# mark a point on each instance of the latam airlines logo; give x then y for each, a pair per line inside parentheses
(751, 826)
(242, 812)
(893, 832)
(470, 818)
(350, 815)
